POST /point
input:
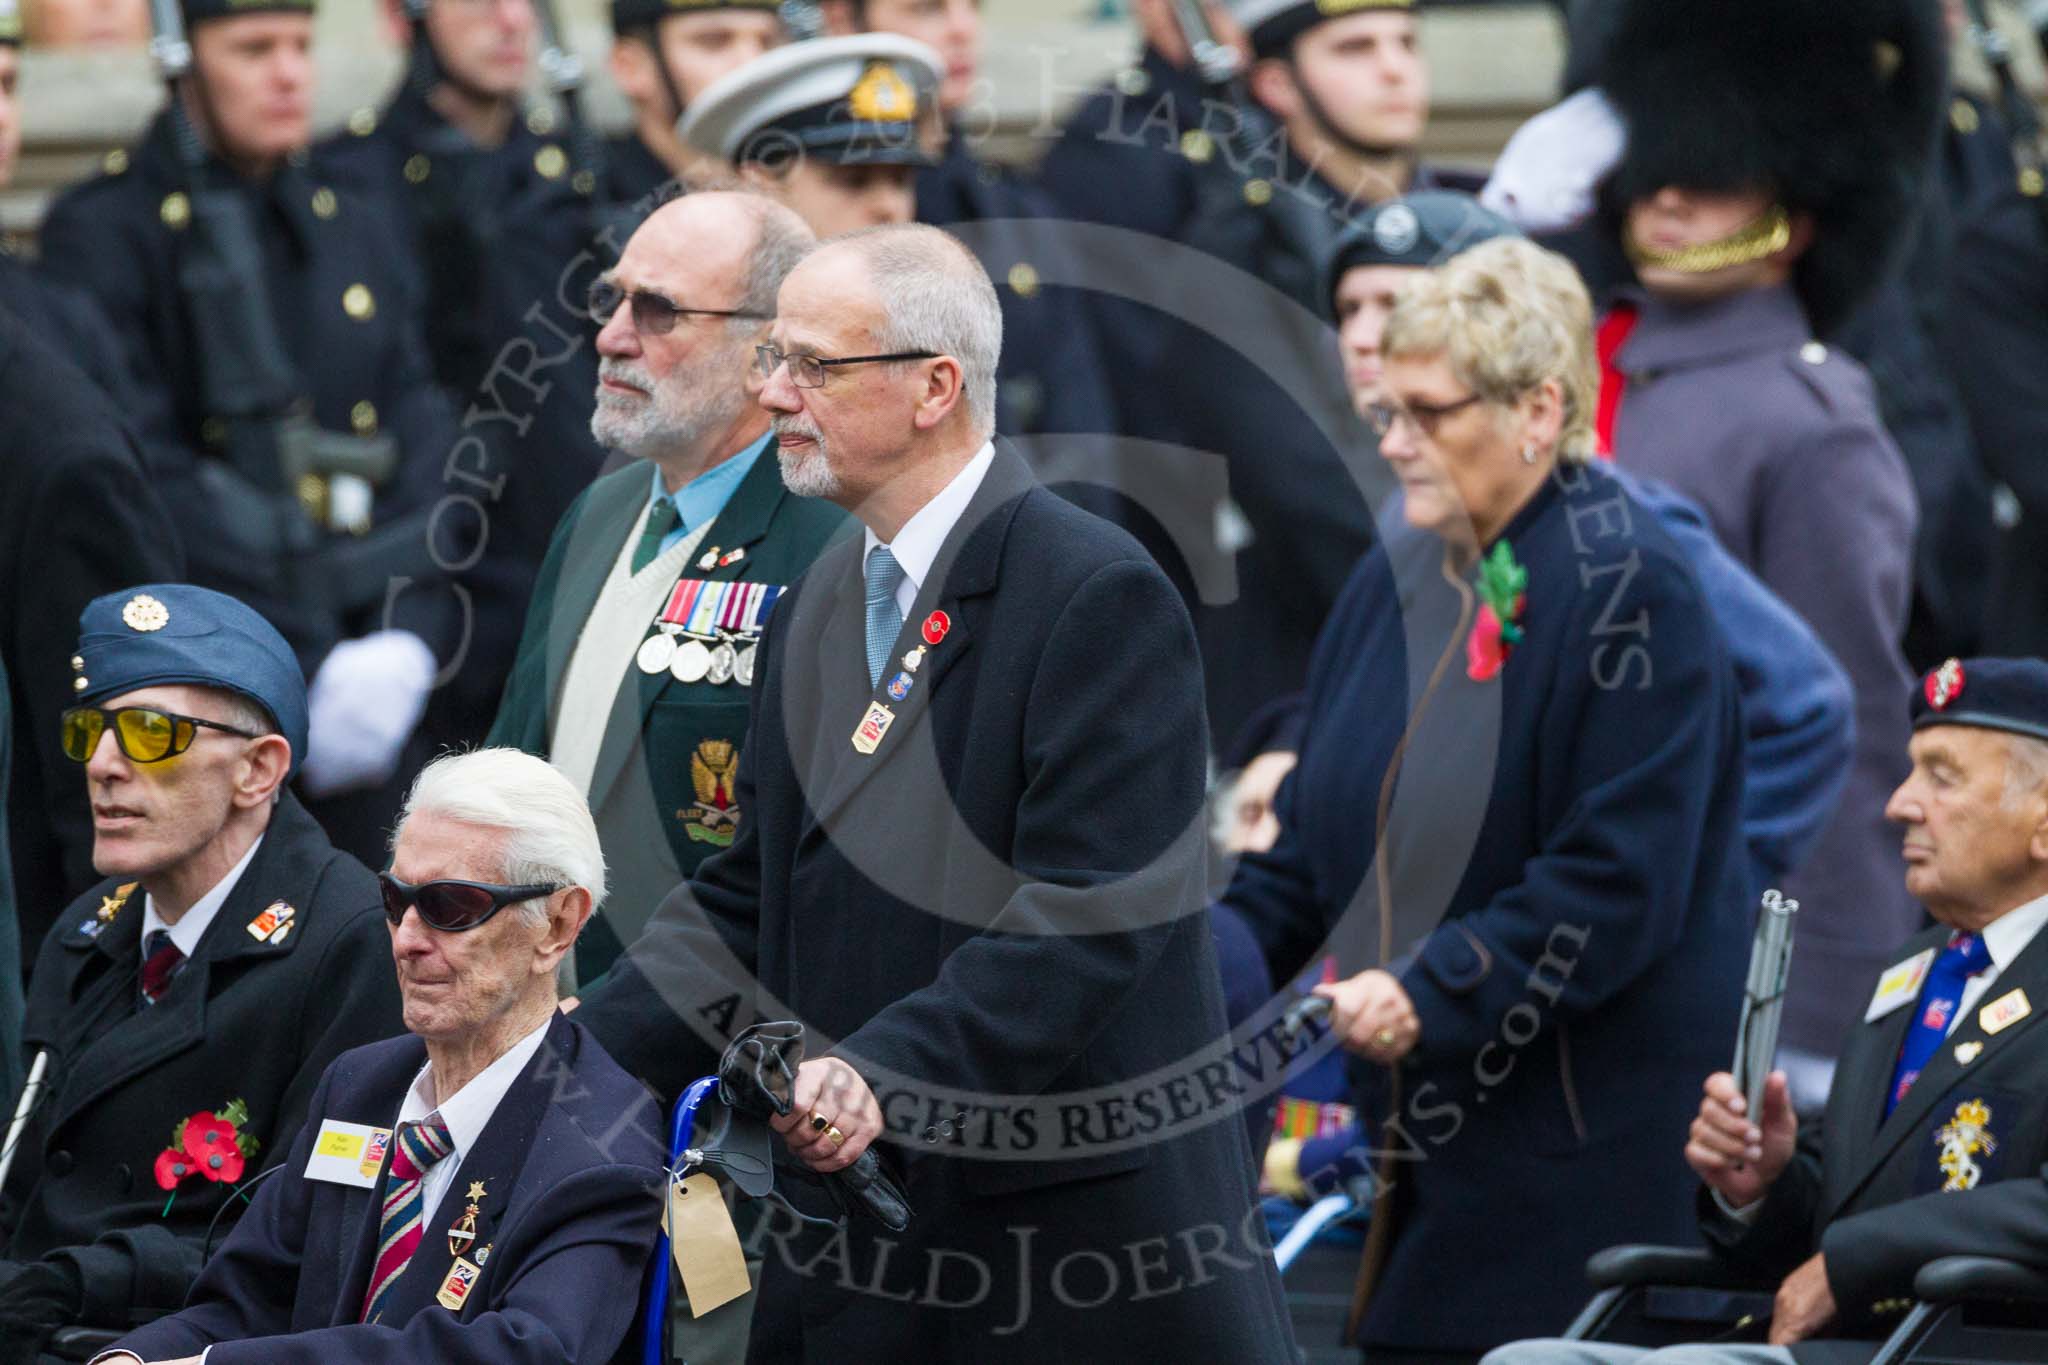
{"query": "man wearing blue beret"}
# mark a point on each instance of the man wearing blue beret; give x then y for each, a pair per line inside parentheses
(188, 1003)
(1937, 1126)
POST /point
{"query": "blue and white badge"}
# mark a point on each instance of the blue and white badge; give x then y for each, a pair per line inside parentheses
(899, 686)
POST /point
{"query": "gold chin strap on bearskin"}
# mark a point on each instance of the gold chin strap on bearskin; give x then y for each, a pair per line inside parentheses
(1765, 236)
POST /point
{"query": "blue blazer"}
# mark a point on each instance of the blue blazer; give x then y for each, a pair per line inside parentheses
(572, 1160)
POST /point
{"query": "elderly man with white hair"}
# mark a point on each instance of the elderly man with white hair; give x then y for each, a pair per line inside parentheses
(486, 1189)
(970, 864)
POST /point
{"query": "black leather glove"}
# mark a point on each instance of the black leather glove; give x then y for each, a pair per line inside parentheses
(42, 1296)
(756, 1076)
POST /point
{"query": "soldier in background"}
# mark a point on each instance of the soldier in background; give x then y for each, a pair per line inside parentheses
(108, 24)
(664, 53)
(64, 317)
(1752, 235)
(833, 128)
(1131, 155)
(1337, 98)
(1052, 377)
(497, 211)
(268, 321)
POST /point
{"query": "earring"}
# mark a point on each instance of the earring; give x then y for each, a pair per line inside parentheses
(1529, 453)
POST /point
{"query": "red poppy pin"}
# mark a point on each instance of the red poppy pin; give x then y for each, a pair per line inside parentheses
(935, 627)
(1944, 684)
(210, 1146)
(1503, 592)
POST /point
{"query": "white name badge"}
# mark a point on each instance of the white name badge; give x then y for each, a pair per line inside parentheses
(1900, 985)
(348, 1154)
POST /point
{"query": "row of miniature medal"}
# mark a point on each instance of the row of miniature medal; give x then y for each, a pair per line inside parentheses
(709, 632)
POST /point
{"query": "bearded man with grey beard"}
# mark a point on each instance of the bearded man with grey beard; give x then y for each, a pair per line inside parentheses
(637, 658)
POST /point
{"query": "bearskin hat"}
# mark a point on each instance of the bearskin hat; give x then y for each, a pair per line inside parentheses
(1830, 105)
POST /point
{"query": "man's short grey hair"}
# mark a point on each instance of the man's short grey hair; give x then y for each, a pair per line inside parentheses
(936, 297)
(549, 835)
(2026, 768)
(781, 241)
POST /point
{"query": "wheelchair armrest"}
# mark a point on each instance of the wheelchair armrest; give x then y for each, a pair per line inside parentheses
(1953, 1279)
(1690, 1267)
(82, 1343)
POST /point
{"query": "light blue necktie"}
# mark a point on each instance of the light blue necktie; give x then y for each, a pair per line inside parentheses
(885, 621)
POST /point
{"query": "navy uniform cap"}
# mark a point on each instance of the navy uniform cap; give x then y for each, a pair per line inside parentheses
(631, 14)
(1273, 25)
(167, 634)
(1992, 694)
(1424, 229)
(861, 100)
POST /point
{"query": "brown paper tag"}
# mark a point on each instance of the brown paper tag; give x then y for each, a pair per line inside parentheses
(705, 1244)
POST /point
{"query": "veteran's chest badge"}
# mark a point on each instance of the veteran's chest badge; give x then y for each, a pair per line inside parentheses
(461, 1278)
(714, 769)
(462, 1235)
(867, 737)
(1961, 1140)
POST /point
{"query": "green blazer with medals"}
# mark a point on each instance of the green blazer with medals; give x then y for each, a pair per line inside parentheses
(662, 789)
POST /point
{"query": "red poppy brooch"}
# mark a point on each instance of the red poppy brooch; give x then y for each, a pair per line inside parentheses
(211, 1146)
(1503, 593)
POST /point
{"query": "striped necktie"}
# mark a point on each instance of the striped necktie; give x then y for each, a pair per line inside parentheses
(885, 618)
(416, 1150)
(161, 959)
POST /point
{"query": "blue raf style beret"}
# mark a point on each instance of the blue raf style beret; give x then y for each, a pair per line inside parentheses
(168, 634)
(1992, 694)
(1423, 229)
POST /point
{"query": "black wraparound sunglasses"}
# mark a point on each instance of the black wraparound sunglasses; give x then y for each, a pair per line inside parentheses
(453, 906)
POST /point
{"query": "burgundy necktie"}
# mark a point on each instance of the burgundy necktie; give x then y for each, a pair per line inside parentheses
(161, 960)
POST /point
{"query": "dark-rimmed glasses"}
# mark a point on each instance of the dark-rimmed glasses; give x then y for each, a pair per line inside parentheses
(1424, 417)
(453, 906)
(144, 733)
(653, 315)
(808, 371)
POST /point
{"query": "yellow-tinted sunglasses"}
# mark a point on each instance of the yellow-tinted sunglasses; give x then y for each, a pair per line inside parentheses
(145, 734)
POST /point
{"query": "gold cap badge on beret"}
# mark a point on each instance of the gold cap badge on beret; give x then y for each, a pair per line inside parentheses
(145, 613)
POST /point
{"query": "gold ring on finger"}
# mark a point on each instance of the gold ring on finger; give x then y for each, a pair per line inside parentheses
(834, 1136)
(1385, 1037)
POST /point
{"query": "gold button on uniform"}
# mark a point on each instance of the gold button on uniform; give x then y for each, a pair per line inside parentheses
(540, 121)
(551, 161)
(176, 210)
(363, 121)
(2031, 183)
(324, 203)
(583, 182)
(362, 418)
(114, 162)
(1962, 116)
(77, 662)
(1133, 81)
(312, 495)
(416, 167)
(80, 684)
(1197, 146)
(358, 302)
(1258, 193)
(1024, 279)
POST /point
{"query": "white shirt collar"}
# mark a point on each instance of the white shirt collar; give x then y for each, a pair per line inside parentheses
(2006, 937)
(916, 546)
(191, 926)
(468, 1111)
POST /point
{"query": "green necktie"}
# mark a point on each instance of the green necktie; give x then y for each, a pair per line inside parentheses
(660, 521)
